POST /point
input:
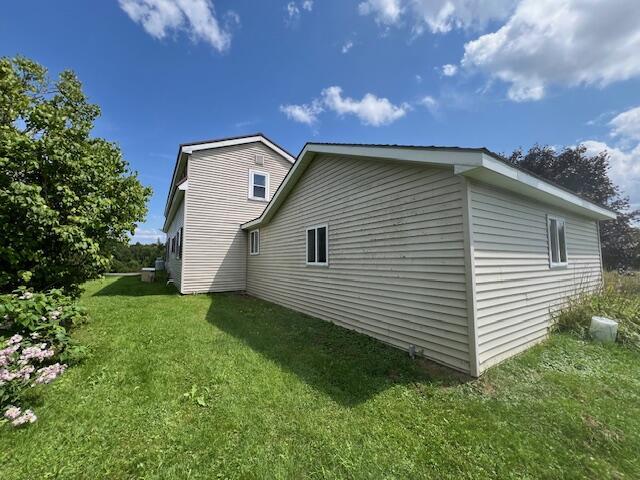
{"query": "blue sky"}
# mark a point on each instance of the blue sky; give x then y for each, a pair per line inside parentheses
(496, 73)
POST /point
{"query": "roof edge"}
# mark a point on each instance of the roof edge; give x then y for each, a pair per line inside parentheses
(190, 147)
(464, 161)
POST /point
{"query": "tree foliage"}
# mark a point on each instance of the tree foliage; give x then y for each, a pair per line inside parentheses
(65, 197)
(588, 176)
(132, 258)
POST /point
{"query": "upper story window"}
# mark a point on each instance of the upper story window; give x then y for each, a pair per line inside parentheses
(557, 241)
(258, 185)
(318, 245)
(254, 242)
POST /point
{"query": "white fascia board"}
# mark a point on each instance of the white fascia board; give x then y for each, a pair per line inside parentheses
(189, 149)
(425, 156)
(406, 154)
(173, 207)
(238, 141)
(540, 189)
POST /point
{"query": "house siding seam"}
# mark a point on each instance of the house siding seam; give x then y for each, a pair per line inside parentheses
(216, 247)
(396, 254)
(516, 291)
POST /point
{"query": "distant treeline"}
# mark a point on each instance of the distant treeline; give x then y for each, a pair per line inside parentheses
(133, 257)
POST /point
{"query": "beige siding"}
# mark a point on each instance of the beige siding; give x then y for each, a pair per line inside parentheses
(174, 264)
(515, 288)
(217, 204)
(396, 254)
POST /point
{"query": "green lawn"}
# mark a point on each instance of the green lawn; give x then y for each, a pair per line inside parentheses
(275, 394)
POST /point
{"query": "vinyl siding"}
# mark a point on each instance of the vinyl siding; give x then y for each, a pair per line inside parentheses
(217, 204)
(174, 264)
(396, 254)
(515, 288)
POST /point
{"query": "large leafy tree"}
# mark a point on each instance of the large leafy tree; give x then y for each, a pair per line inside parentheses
(588, 176)
(65, 197)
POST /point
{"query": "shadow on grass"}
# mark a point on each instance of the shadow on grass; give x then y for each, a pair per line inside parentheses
(347, 366)
(134, 287)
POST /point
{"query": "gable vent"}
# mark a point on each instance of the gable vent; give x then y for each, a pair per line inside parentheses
(259, 159)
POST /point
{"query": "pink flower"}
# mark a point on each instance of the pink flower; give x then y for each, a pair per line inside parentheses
(36, 335)
(27, 417)
(12, 412)
(54, 314)
(6, 375)
(50, 373)
(15, 339)
(26, 371)
(38, 352)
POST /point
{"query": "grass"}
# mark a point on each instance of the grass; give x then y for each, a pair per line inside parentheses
(227, 386)
(619, 300)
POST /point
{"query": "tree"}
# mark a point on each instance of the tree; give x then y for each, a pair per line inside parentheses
(588, 176)
(133, 257)
(65, 197)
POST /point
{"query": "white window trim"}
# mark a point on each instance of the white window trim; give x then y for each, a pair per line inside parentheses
(257, 232)
(251, 185)
(306, 246)
(558, 264)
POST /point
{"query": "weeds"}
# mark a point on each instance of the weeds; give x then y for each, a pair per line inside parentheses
(619, 300)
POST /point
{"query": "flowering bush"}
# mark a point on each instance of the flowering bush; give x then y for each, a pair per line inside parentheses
(22, 365)
(35, 345)
(45, 316)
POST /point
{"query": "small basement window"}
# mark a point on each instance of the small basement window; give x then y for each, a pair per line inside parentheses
(254, 242)
(318, 245)
(557, 241)
(258, 185)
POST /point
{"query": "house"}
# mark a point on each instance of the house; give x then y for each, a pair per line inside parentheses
(216, 186)
(447, 252)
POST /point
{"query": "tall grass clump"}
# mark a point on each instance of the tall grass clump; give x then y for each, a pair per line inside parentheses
(618, 300)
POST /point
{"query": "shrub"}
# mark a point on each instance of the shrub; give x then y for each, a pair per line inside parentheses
(35, 345)
(50, 316)
(65, 196)
(612, 303)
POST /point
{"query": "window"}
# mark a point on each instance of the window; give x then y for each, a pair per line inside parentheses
(180, 241)
(258, 185)
(557, 241)
(254, 242)
(318, 245)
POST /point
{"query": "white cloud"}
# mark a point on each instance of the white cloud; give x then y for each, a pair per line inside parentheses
(438, 16)
(371, 110)
(418, 78)
(449, 70)
(430, 104)
(385, 11)
(305, 113)
(148, 235)
(627, 124)
(624, 167)
(442, 16)
(293, 11)
(560, 42)
(347, 46)
(195, 17)
(624, 157)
